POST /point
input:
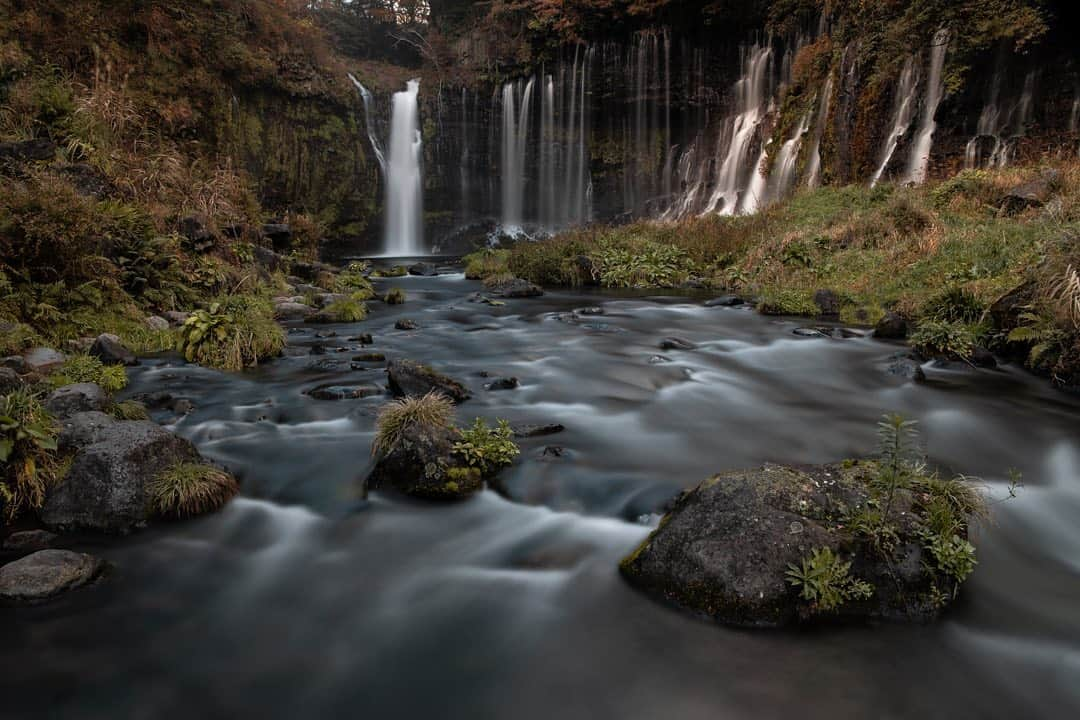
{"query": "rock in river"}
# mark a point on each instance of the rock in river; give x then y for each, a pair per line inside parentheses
(725, 548)
(422, 464)
(45, 574)
(412, 378)
(516, 288)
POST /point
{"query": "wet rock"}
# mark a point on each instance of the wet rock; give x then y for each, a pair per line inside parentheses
(42, 360)
(46, 574)
(26, 541)
(9, 380)
(725, 547)
(406, 324)
(725, 301)
(891, 327)
(73, 399)
(183, 406)
(17, 363)
(38, 149)
(364, 339)
(516, 288)
(106, 488)
(409, 378)
(809, 332)
(423, 465)
(371, 357)
(659, 360)
(587, 311)
(82, 429)
(108, 349)
(553, 451)
(529, 431)
(502, 384)
(279, 235)
(1005, 311)
(906, 365)
(326, 365)
(292, 311)
(424, 269)
(983, 358)
(676, 343)
(157, 323)
(343, 392)
(828, 303)
(176, 318)
(1032, 194)
(326, 334)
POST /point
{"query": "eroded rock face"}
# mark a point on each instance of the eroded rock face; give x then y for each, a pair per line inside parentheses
(46, 574)
(412, 378)
(422, 465)
(106, 488)
(725, 547)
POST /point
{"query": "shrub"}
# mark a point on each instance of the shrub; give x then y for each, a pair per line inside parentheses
(485, 448)
(27, 446)
(191, 489)
(354, 282)
(788, 302)
(825, 582)
(346, 310)
(644, 264)
(432, 411)
(954, 305)
(88, 369)
(482, 263)
(949, 339)
(396, 296)
(232, 334)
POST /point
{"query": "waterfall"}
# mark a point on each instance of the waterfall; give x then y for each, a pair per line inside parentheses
(782, 179)
(404, 192)
(1074, 118)
(919, 161)
(372, 138)
(903, 114)
(813, 167)
(751, 93)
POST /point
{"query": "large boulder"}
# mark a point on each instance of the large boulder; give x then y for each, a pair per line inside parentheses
(107, 487)
(82, 429)
(43, 360)
(422, 464)
(108, 349)
(408, 377)
(289, 310)
(828, 303)
(46, 574)
(279, 234)
(725, 548)
(1033, 194)
(425, 269)
(78, 398)
(1006, 310)
(516, 288)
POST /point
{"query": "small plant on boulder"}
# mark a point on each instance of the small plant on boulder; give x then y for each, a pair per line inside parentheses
(396, 296)
(825, 581)
(231, 334)
(485, 448)
(190, 489)
(433, 410)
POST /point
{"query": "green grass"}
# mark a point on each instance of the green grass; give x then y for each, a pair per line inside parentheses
(433, 411)
(88, 369)
(190, 489)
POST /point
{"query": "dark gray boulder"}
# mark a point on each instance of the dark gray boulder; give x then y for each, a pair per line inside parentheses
(292, 311)
(1033, 194)
(891, 327)
(46, 574)
(422, 465)
(906, 365)
(406, 324)
(106, 488)
(510, 383)
(82, 429)
(42, 360)
(78, 398)
(725, 301)
(828, 303)
(279, 235)
(109, 350)
(676, 343)
(9, 380)
(28, 541)
(412, 378)
(343, 392)
(725, 548)
(424, 269)
(516, 288)
(528, 431)
(39, 149)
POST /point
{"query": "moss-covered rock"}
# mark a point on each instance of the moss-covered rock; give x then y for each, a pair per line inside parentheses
(422, 464)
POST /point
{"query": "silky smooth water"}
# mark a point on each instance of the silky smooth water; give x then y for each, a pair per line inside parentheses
(301, 599)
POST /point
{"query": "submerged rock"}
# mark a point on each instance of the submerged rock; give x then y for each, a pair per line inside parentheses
(106, 488)
(412, 378)
(510, 383)
(725, 301)
(424, 269)
(906, 365)
(46, 574)
(344, 392)
(422, 465)
(528, 431)
(725, 548)
(406, 324)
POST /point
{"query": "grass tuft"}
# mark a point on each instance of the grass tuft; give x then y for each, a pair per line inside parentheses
(190, 489)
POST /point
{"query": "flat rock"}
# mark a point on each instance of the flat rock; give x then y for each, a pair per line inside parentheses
(78, 398)
(292, 311)
(528, 431)
(26, 541)
(343, 392)
(82, 429)
(46, 574)
(43, 360)
(409, 378)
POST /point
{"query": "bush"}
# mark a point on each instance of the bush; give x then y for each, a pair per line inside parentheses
(485, 448)
(788, 302)
(28, 465)
(392, 272)
(954, 305)
(191, 489)
(354, 282)
(644, 264)
(934, 338)
(347, 310)
(396, 296)
(88, 369)
(233, 333)
(432, 411)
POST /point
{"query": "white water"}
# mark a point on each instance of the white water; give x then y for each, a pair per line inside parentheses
(365, 94)
(404, 190)
(782, 179)
(999, 126)
(813, 166)
(514, 146)
(903, 114)
(919, 160)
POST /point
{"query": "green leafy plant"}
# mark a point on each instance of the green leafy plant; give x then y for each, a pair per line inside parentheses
(953, 556)
(898, 448)
(942, 338)
(1041, 333)
(232, 333)
(484, 263)
(644, 264)
(431, 411)
(353, 280)
(797, 254)
(27, 452)
(191, 489)
(486, 448)
(825, 581)
(88, 369)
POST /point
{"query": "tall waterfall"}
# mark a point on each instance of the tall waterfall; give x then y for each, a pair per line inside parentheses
(999, 124)
(404, 189)
(365, 95)
(813, 166)
(903, 114)
(919, 160)
(515, 143)
(782, 179)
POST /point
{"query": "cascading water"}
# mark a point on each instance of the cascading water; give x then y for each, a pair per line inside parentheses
(903, 114)
(813, 167)
(919, 160)
(514, 146)
(365, 95)
(999, 126)
(1074, 118)
(404, 190)
(782, 179)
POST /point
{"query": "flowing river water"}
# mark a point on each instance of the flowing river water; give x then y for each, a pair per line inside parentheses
(302, 599)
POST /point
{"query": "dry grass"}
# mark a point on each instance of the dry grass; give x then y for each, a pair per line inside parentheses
(433, 410)
(190, 489)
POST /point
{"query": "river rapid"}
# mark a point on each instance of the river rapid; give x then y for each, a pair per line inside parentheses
(303, 599)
